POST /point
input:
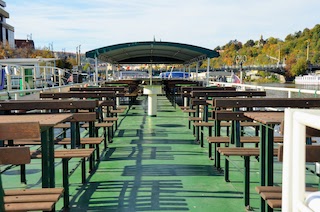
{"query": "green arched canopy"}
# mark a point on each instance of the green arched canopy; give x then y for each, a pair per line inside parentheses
(155, 52)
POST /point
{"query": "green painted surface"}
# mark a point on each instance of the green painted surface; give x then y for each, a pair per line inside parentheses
(153, 164)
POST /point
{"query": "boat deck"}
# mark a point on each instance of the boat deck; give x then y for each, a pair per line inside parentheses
(153, 164)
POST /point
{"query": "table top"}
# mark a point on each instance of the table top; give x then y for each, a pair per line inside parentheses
(266, 117)
(45, 120)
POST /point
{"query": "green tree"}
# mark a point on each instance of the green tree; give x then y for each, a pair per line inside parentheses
(249, 43)
(300, 67)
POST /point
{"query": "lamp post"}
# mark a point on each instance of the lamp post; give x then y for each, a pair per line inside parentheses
(240, 59)
(308, 42)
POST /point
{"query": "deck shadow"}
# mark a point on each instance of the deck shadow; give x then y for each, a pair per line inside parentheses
(142, 132)
(170, 125)
(162, 141)
(149, 195)
(137, 153)
(141, 195)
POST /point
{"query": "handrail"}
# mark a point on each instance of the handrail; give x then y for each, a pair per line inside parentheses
(259, 87)
(17, 94)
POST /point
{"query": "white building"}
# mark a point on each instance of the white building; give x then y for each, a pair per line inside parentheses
(7, 31)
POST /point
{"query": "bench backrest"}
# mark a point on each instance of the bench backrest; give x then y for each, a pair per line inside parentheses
(11, 131)
(14, 155)
(119, 89)
(227, 93)
(258, 102)
(312, 153)
(83, 117)
(267, 102)
(25, 130)
(27, 105)
(199, 88)
(80, 94)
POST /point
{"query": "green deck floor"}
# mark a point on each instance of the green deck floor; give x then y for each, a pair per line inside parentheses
(152, 165)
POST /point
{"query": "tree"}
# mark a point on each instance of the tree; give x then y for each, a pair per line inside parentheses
(300, 67)
(6, 51)
(87, 65)
(249, 43)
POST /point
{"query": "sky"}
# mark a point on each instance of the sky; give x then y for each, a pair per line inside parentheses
(90, 24)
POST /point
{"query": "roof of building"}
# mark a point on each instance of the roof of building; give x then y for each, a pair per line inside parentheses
(24, 43)
(26, 61)
(147, 52)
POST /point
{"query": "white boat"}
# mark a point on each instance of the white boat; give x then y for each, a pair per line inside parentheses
(308, 79)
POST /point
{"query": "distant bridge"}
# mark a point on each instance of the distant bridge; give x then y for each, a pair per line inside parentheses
(274, 68)
(278, 68)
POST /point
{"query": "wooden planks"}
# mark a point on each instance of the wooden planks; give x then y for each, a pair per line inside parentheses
(8, 155)
(27, 130)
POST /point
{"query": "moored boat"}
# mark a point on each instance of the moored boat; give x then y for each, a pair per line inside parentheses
(308, 79)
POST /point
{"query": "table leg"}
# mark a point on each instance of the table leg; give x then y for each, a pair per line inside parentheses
(262, 163)
(269, 155)
(51, 158)
(1, 196)
(45, 157)
(247, 181)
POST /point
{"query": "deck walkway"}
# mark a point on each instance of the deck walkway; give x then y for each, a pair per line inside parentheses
(153, 164)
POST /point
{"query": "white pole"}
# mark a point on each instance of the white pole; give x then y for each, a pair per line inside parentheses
(150, 74)
(197, 71)
(23, 76)
(287, 162)
(96, 66)
(60, 71)
(299, 152)
(208, 68)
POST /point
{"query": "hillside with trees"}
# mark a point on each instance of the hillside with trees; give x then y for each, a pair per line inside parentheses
(293, 51)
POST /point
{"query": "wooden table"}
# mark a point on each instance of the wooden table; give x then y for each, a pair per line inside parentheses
(267, 122)
(47, 122)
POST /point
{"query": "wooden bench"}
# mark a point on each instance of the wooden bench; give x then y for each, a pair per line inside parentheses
(246, 153)
(235, 116)
(66, 155)
(226, 140)
(24, 199)
(76, 118)
(107, 131)
(272, 195)
(42, 199)
(52, 106)
(185, 92)
(32, 132)
(313, 155)
(200, 98)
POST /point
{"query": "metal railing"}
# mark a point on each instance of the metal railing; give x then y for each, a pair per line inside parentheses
(285, 92)
(34, 93)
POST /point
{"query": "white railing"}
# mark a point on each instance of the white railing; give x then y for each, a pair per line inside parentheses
(34, 93)
(289, 91)
(294, 166)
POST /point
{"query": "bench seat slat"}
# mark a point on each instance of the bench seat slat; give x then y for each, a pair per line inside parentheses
(241, 151)
(33, 191)
(87, 140)
(32, 198)
(70, 153)
(274, 203)
(34, 206)
(243, 139)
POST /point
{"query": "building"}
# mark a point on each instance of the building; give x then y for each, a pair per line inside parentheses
(7, 31)
(19, 43)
